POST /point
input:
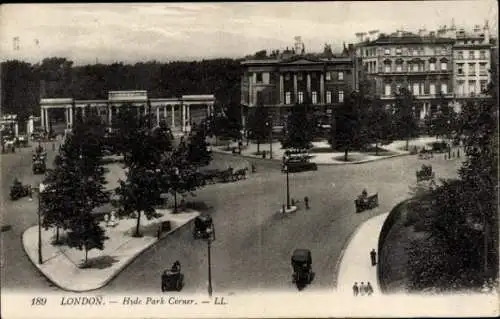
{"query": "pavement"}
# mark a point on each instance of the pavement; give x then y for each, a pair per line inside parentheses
(355, 264)
(395, 148)
(61, 264)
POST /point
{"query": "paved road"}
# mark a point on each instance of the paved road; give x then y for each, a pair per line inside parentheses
(17, 271)
(253, 243)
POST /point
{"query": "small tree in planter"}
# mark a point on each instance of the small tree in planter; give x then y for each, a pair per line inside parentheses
(86, 234)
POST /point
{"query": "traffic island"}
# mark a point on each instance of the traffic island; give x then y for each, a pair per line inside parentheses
(66, 268)
(287, 210)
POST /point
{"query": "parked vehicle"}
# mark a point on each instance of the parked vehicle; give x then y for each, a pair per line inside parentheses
(202, 224)
(298, 163)
(39, 166)
(439, 147)
(18, 190)
(302, 267)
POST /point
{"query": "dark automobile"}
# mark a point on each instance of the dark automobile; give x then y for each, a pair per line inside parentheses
(172, 280)
(425, 173)
(203, 225)
(302, 267)
(39, 166)
(18, 190)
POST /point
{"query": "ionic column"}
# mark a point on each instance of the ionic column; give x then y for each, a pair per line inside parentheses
(110, 114)
(47, 120)
(322, 88)
(157, 116)
(282, 89)
(70, 116)
(188, 116)
(83, 112)
(66, 113)
(295, 88)
(308, 85)
(172, 108)
(16, 129)
(183, 124)
(42, 117)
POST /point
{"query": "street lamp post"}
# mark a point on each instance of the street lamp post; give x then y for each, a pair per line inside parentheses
(40, 190)
(210, 238)
(270, 137)
(287, 188)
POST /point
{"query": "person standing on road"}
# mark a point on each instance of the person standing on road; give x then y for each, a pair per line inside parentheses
(369, 289)
(373, 257)
(306, 202)
(355, 289)
(362, 288)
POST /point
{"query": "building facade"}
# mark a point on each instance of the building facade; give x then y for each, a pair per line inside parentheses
(421, 64)
(472, 62)
(178, 113)
(279, 83)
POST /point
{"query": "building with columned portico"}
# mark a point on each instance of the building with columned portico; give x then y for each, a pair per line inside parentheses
(179, 112)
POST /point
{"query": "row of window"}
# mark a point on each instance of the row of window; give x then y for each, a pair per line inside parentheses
(472, 68)
(265, 77)
(414, 67)
(415, 51)
(314, 97)
(472, 54)
(417, 89)
(472, 86)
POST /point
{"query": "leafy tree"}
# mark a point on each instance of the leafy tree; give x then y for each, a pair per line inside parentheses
(140, 192)
(178, 175)
(345, 133)
(86, 234)
(75, 186)
(298, 132)
(405, 117)
(378, 124)
(257, 124)
(197, 151)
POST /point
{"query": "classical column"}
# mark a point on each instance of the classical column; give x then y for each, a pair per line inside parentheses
(165, 113)
(282, 89)
(188, 114)
(16, 129)
(322, 88)
(158, 116)
(42, 117)
(308, 84)
(47, 120)
(66, 113)
(83, 112)
(295, 88)
(183, 124)
(172, 108)
(110, 113)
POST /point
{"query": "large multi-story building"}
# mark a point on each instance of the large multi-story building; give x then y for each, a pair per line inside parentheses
(472, 62)
(283, 80)
(421, 63)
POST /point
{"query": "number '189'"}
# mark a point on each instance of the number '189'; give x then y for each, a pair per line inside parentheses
(38, 301)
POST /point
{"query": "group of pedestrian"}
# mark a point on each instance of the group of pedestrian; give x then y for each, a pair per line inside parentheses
(362, 289)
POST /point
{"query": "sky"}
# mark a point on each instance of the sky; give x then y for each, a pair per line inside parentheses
(86, 33)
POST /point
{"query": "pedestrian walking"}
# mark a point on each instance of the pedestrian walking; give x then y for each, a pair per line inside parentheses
(355, 289)
(306, 202)
(369, 289)
(373, 257)
(362, 288)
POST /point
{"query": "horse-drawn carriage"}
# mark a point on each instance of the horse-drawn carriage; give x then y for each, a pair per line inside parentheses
(228, 175)
(203, 225)
(425, 173)
(18, 190)
(172, 279)
(302, 267)
(366, 202)
(22, 140)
